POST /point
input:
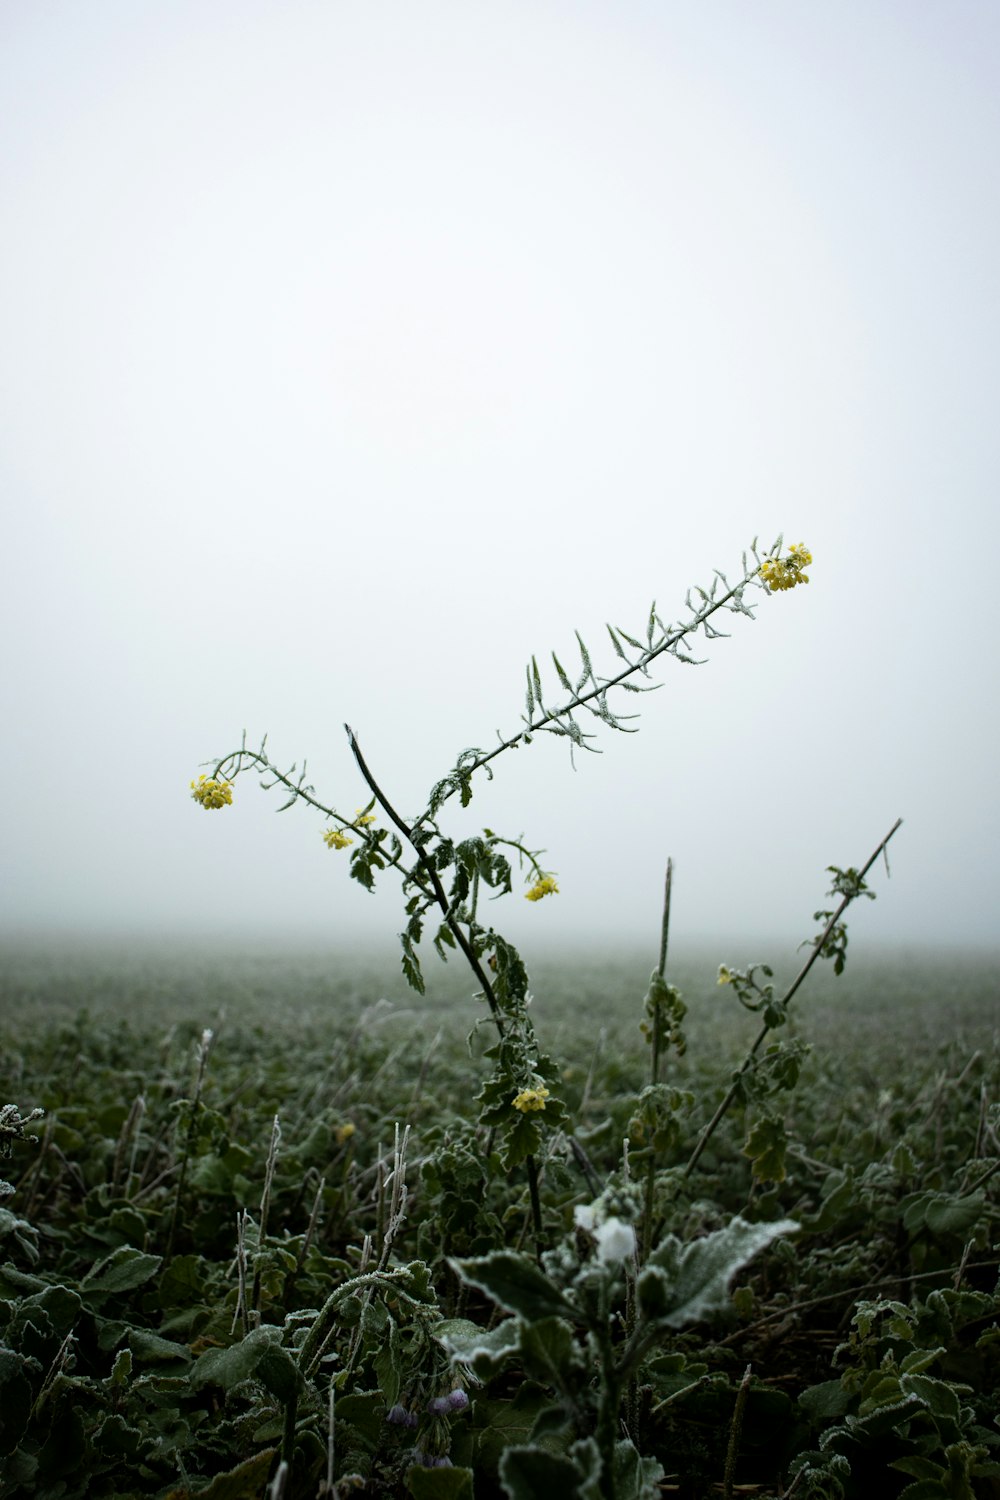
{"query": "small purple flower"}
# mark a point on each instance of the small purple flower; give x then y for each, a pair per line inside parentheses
(457, 1401)
(398, 1416)
(431, 1460)
(439, 1406)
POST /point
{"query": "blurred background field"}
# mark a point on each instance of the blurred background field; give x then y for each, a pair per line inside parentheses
(889, 1005)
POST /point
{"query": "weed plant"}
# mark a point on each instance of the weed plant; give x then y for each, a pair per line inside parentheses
(255, 1260)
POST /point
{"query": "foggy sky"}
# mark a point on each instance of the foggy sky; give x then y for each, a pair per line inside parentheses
(350, 355)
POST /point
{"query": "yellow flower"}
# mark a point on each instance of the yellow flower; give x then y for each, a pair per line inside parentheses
(211, 793)
(363, 818)
(546, 886)
(343, 1133)
(785, 572)
(725, 977)
(334, 839)
(531, 1099)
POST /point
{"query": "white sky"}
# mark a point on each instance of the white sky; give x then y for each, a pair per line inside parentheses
(349, 354)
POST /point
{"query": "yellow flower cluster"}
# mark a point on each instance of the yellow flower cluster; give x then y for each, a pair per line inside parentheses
(211, 793)
(363, 819)
(531, 1099)
(334, 839)
(785, 572)
(544, 887)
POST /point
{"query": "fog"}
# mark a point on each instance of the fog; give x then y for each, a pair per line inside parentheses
(351, 355)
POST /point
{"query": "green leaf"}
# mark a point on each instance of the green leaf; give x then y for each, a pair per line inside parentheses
(504, 1424)
(229, 1367)
(825, 1403)
(183, 1282)
(411, 964)
(636, 1478)
(533, 1474)
(365, 1412)
(932, 1489)
(942, 1213)
(515, 1282)
(522, 1139)
(941, 1398)
(617, 644)
(887, 1417)
(122, 1271)
(389, 1365)
(20, 1234)
(149, 1348)
(561, 674)
(439, 1484)
(702, 1270)
(483, 1350)
(245, 1482)
(115, 1438)
(16, 1399)
(361, 863)
(549, 1351)
(766, 1146)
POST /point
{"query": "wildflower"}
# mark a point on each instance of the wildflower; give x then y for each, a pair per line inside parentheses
(785, 572)
(343, 1133)
(615, 1241)
(363, 818)
(546, 886)
(440, 1406)
(399, 1416)
(529, 1100)
(334, 839)
(725, 975)
(585, 1216)
(211, 793)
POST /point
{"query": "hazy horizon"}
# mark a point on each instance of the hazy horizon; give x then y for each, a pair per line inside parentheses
(352, 356)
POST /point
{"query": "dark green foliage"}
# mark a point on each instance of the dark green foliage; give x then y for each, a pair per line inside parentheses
(872, 1329)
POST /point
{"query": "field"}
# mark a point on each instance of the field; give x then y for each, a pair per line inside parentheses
(262, 1246)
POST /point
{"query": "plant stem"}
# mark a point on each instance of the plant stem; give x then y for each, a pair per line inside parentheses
(433, 877)
(736, 1427)
(647, 1214)
(817, 948)
(204, 1048)
(536, 1205)
(665, 928)
(461, 940)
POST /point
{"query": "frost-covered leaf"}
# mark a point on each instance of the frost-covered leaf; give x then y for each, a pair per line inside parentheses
(535, 1474)
(701, 1271)
(259, 1356)
(121, 1271)
(439, 1484)
(515, 1282)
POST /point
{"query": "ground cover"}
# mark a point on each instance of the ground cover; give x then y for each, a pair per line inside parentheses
(264, 1244)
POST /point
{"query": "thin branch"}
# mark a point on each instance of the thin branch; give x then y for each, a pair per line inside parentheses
(818, 943)
(581, 700)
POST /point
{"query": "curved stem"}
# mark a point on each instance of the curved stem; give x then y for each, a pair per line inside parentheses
(432, 876)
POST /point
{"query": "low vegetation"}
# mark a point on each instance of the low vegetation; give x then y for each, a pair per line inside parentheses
(335, 1252)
